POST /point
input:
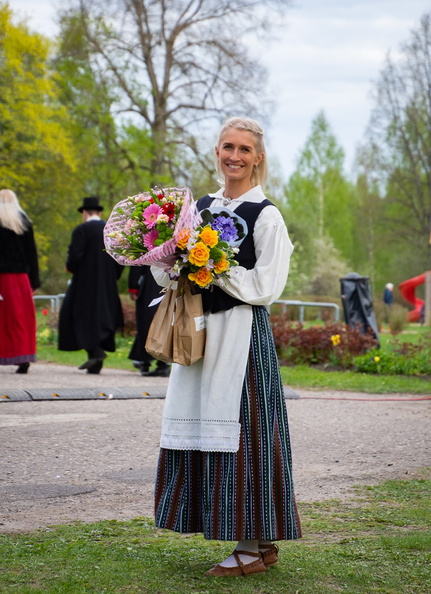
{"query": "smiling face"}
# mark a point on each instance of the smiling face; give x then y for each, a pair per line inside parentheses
(237, 154)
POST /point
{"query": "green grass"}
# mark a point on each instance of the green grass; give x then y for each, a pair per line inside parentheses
(303, 376)
(379, 541)
(119, 360)
(300, 376)
(412, 333)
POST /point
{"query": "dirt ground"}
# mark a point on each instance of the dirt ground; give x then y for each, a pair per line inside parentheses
(88, 460)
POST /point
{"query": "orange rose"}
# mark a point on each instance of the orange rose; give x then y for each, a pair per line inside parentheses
(199, 255)
(183, 237)
(209, 236)
(221, 266)
(202, 277)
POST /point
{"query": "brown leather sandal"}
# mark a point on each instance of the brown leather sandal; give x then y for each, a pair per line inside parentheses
(257, 566)
(270, 555)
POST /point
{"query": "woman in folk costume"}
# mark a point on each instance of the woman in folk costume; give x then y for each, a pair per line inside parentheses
(225, 464)
(19, 278)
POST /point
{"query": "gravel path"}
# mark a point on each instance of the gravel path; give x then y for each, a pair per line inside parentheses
(88, 460)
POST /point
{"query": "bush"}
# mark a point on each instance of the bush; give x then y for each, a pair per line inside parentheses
(46, 326)
(402, 358)
(334, 343)
(381, 313)
(397, 319)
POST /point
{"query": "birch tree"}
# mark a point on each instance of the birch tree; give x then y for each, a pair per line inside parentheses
(319, 197)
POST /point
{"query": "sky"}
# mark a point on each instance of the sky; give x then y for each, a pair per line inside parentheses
(327, 57)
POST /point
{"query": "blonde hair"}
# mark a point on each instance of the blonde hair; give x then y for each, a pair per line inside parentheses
(12, 215)
(260, 171)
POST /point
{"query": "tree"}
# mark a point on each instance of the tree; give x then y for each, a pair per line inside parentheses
(31, 120)
(37, 157)
(366, 232)
(320, 202)
(321, 163)
(329, 267)
(318, 192)
(177, 63)
(113, 155)
(374, 257)
(399, 148)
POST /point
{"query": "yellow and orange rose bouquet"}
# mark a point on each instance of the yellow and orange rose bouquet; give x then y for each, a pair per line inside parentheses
(208, 251)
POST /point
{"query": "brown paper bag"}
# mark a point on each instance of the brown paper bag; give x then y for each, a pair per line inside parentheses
(160, 335)
(189, 327)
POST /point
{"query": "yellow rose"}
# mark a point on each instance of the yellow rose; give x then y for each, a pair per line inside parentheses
(183, 237)
(221, 266)
(202, 277)
(376, 359)
(209, 236)
(199, 255)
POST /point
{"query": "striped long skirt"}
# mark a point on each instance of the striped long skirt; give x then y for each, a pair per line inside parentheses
(246, 495)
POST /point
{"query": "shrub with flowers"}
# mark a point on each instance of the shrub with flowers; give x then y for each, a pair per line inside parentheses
(164, 228)
(334, 344)
(47, 324)
(400, 358)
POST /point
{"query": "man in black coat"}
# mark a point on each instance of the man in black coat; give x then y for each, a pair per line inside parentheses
(91, 311)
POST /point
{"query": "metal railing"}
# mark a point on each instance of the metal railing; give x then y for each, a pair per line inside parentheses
(55, 300)
(302, 304)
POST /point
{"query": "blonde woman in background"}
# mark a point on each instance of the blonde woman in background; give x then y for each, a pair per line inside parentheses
(19, 278)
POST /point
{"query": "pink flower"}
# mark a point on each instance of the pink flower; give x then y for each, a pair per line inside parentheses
(150, 238)
(150, 215)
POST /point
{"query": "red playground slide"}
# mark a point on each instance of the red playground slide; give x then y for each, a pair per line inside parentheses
(407, 290)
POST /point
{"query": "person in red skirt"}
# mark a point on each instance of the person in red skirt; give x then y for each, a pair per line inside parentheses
(19, 278)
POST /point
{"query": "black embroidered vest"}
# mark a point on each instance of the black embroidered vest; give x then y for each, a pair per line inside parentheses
(215, 299)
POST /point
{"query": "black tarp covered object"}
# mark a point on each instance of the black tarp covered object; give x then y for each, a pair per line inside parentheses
(358, 303)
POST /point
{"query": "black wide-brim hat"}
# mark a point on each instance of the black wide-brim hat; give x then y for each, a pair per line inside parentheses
(90, 203)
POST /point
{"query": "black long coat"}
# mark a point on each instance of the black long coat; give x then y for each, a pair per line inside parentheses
(142, 282)
(91, 311)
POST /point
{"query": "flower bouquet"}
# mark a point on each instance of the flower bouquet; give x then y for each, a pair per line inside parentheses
(208, 251)
(164, 228)
(144, 229)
